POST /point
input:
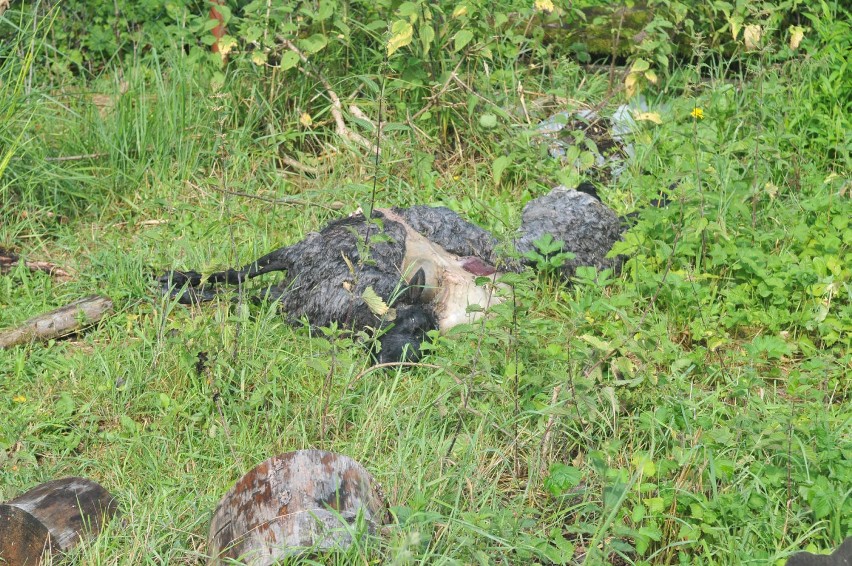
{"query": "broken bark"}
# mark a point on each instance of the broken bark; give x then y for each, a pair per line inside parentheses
(60, 322)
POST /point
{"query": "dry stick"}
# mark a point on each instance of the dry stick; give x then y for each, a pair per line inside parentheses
(60, 322)
(615, 47)
(62, 158)
(284, 201)
(326, 390)
(336, 106)
(7, 262)
(299, 165)
(435, 98)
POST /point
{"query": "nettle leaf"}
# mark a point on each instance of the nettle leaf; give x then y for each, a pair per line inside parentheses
(562, 478)
(326, 10)
(374, 302)
(408, 10)
(498, 167)
(488, 120)
(289, 60)
(462, 38)
(640, 66)
(401, 34)
(315, 43)
(427, 36)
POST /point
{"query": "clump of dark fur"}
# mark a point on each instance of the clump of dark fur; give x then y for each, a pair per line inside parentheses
(586, 226)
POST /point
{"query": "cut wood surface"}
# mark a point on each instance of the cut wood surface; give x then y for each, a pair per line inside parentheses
(60, 322)
(52, 517)
(291, 503)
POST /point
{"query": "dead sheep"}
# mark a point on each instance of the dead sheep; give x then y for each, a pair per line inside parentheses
(421, 261)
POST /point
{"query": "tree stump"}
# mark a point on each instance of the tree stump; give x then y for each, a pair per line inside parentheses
(300, 501)
(52, 517)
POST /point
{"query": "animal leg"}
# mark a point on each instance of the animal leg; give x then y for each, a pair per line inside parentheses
(273, 261)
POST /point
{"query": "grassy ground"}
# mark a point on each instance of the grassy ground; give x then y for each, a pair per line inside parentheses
(694, 409)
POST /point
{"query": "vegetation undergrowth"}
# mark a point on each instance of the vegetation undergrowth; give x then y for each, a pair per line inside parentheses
(693, 409)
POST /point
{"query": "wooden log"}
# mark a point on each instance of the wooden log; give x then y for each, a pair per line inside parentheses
(291, 504)
(60, 322)
(52, 517)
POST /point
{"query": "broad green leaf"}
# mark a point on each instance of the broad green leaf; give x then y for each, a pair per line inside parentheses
(408, 10)
(488, 120)
(326, 10)
(498, 167)
(562, 478)
(314, 43)
(596, 342)
(427, 36)
(736, 23)
(463, 37)
(374, 302)
(289, 60)
(640, 66)
(401, 35)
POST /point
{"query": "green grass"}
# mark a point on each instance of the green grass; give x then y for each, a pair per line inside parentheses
(694, 409)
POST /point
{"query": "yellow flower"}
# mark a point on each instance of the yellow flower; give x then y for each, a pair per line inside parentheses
(697, 113)
(19, 399)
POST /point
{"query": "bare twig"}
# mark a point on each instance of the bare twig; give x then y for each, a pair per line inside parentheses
(62, 158)
(284, 201)
(615, 43)
(462, 84)
(435, 98)
(310, 170)
(336, 106)
(358, 113)
(326, 391)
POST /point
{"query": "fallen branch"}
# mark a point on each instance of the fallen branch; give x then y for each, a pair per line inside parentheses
(298, 165)
(62, 158)
(60, 322)
(286, 201)
(436, 97)
(9, 260)
(336, 106)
